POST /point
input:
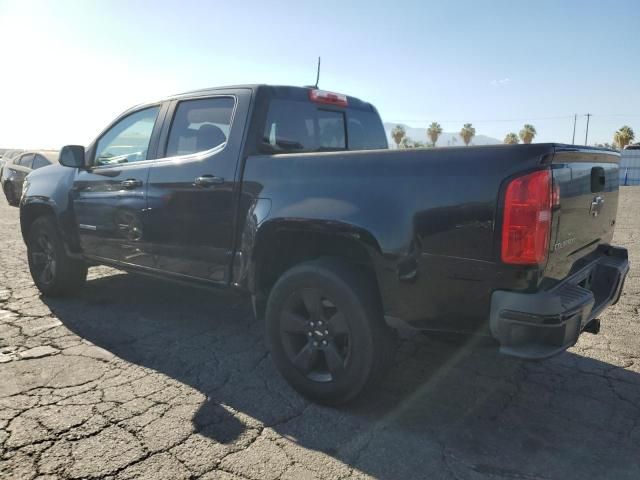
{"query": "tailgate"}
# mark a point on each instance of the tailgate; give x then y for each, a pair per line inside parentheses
(587, 181)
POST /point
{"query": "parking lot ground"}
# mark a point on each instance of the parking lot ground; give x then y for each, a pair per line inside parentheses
(136, 378)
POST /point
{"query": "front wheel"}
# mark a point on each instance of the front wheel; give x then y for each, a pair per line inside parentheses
(326, 332)
(52, 270)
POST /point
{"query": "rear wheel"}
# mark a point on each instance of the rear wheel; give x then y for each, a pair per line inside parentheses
(326, 332)
(52, 270)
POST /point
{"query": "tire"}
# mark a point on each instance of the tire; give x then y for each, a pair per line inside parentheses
(52, 270)
(10, 194)
(326, 332)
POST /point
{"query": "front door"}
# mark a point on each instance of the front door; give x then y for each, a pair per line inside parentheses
(110, 197)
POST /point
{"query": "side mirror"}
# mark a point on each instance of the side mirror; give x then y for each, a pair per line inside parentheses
(72, 156)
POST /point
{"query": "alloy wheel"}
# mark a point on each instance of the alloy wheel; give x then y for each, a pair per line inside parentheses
(315, 335)
(43, 256)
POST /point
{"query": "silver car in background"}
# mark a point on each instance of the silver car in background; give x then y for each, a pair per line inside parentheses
(19, 166)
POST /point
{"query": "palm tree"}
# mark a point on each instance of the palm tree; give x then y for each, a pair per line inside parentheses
(433, 132)
(511, 138)
(623, 137)
(527, 133)
(398, 133)
(467, 133)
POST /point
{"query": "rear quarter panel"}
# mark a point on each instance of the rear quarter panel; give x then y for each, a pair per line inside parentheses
(430, 212)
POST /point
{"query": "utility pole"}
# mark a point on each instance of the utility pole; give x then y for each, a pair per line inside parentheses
(586, 133)
(573, 139)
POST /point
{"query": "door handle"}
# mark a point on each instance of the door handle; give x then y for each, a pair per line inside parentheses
(208, 181)
(131, 183)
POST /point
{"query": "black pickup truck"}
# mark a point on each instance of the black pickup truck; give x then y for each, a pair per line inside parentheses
(291, 195)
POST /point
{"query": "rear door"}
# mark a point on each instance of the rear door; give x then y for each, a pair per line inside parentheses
(110, 196)
(192, 190)
(587, 183)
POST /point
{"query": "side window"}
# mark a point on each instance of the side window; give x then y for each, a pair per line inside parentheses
(25, 160)
(200, 125)
(128, 140)
(39, 161)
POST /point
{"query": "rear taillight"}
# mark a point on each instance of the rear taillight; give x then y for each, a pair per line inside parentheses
(527, 219)
(328, 98)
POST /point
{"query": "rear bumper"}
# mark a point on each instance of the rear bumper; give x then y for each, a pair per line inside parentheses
(543, 324)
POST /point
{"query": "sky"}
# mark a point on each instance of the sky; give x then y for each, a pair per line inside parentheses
(67, 68)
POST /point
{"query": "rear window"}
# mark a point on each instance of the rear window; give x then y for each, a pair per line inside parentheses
(293, 127)
(366, 131)
(39, 161)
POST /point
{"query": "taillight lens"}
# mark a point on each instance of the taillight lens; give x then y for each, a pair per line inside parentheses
(527, 219)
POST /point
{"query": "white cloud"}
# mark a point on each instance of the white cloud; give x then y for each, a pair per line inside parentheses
(500, 82)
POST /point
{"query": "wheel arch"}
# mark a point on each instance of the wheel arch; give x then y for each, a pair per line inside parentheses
(30, 212)
(281, 244)
(33, 209)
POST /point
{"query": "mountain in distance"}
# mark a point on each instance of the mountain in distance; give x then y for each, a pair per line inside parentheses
(446, 139)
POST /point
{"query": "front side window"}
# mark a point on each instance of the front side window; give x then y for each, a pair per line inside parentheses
(200, 125)
(128, 140)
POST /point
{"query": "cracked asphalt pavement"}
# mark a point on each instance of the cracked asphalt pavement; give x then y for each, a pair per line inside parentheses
(136, 378)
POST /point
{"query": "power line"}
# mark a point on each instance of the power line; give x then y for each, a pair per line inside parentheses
(633, 115)
(485, 121)
(524, 119)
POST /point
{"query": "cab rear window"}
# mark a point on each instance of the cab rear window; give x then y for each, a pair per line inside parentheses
(296, 126)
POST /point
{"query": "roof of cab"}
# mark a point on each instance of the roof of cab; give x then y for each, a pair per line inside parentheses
(211, 91)
(51, 155)
(298, 93)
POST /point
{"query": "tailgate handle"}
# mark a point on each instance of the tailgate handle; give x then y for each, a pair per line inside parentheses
(597, 179)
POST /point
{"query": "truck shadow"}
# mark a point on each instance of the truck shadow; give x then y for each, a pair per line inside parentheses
(443, 412)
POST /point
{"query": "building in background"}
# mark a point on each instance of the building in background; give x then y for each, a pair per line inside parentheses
(630, 165)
